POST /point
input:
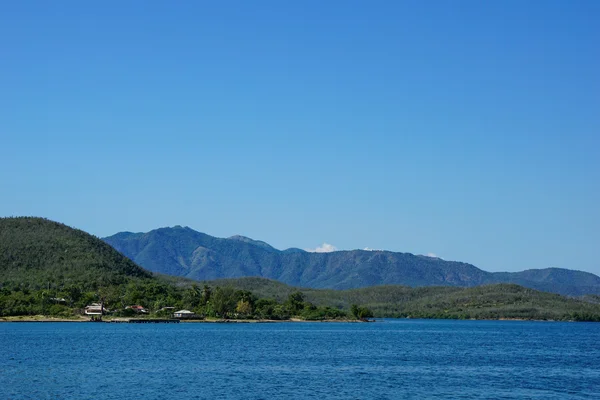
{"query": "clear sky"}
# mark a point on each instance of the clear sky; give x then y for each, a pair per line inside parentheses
(466, 129)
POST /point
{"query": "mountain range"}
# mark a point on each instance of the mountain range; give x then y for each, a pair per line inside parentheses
(48, 268)
(182, 251)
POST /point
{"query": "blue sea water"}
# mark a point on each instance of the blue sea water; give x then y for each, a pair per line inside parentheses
(391, 359)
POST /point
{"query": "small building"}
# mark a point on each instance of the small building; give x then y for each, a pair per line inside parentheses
(95, 309)
(137, 309)
(182, 314)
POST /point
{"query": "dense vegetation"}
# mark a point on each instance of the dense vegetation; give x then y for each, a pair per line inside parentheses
(184, 252)
(37, 253)
(48, 268)
(496, 301)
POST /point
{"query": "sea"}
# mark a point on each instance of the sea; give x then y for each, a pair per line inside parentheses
(387, 359)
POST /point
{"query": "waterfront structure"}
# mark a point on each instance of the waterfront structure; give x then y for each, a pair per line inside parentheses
(181, 314)
(95, 309)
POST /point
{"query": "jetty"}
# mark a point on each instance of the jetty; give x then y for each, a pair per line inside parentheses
(144, 321)
(153, 321)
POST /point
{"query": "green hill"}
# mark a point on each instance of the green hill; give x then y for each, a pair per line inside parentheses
(49, 268)
(495, 301)
(37, 253)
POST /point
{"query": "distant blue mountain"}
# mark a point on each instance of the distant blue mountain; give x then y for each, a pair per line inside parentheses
(181, 251)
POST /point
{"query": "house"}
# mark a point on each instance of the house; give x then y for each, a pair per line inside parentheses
(95, 309)
(137, 309)
(182, 314)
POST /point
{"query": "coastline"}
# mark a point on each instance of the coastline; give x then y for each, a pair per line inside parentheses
(80, 319)
(263, 321)
(41, 318)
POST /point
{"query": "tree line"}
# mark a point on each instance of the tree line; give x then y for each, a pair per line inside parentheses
(161, 299)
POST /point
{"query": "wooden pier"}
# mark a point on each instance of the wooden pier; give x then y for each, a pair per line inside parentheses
(153, 321)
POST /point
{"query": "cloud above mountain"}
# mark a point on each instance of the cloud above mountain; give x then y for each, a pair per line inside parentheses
(324, 248)
(433, 255)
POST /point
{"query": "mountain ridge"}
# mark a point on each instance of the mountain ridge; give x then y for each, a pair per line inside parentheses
(185, 252)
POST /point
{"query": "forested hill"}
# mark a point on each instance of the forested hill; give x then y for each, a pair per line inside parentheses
(36, 252)
(495, 301)
(50, 269)
(181, 251)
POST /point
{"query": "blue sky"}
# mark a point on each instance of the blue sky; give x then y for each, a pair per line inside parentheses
(466, 129)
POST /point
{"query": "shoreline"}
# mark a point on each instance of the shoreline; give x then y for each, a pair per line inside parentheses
(39, 318)
(263, 321)
(81, 319)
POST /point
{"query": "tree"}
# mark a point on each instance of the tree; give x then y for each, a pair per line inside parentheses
(354, 311)
(193, 296)
(206, 292)
(109, 295)
(223, 301)
(361, 313)
(43, 296)
(264, 308)
(73, 293)
(364, 313)
(243, 308)
(295, 302)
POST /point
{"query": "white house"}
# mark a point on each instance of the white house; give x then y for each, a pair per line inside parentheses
(183, 314)
(95, 309)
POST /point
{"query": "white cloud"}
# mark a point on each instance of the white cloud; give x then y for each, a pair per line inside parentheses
(433, 255)
(324, 248)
